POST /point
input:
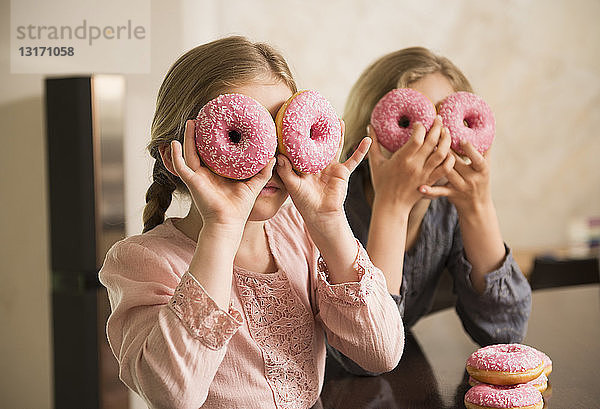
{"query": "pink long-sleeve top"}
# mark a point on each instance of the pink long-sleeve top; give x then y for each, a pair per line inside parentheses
(177, 349)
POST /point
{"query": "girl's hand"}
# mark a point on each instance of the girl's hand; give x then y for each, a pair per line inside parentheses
(219, 200)
(468, 187)
(423, 160)
(320, 197)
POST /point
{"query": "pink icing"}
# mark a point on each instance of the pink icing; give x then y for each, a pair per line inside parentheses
(235, 136)
(503, 396)
(464, 107)
(505, 358)
(310, 132)
(545, 359)
(394, 115)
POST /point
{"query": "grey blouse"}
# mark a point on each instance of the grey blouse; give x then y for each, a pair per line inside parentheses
(499, 315)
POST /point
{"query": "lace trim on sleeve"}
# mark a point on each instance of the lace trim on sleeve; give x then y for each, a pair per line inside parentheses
(351, 293)
(201, 316)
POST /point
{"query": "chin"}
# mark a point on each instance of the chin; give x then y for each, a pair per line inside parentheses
(267, 206)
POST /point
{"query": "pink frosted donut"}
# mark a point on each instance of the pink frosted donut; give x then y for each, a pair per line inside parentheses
(540, 383)
(505, 364)
(468, 118)
(308, 131)
(484, 396)
(235, 136)
(547, 362)
(394, 115)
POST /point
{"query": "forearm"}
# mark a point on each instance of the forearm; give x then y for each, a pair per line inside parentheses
(482, 240)
(387, 240)
(212, 263)
(337, 245)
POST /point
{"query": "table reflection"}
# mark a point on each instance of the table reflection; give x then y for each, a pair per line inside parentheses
(412, 383)
(564, 323)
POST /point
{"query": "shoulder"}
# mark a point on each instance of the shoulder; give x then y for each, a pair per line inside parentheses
(141, 256)
(161, 240)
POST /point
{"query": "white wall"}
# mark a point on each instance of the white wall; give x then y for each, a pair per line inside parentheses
(536, 62)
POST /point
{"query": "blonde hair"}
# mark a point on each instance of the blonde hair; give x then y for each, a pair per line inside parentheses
(195, 78)
(395, 70)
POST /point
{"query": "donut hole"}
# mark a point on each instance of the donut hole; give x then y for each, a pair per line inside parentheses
(472, 121)
(235, 136)
(319, 129)
(404, 121)
(313, 131)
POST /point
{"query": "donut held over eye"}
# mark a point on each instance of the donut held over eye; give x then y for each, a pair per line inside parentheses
(394, 115)
(308, 131)
(468, 118)
(235, 136)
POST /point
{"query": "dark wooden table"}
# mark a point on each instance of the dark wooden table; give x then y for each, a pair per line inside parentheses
(564, 323)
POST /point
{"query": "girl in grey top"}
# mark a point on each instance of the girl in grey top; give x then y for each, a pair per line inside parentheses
(441, 199)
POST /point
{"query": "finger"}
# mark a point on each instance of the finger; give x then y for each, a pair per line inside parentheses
(433, 136)
(478, 162)
(439, 154)
(286, 172)
(341, 144)
(442, 170)
(462, 164)
(182, 169)
(434, 192)
(190, 153)
(375, 154)
(445, 140)
(358, 155)
(416, 139)
(455, 179)
(259, 180)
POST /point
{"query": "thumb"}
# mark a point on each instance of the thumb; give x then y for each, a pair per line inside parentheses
(286, 172)
(259, 180)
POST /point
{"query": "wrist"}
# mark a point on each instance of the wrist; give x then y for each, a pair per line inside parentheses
(328, 227)
(392, 209)
(475, 209)
(222, 233)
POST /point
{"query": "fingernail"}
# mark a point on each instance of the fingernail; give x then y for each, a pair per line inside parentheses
(279, 161)
(368, 129)
(423, 189)
(438, 117)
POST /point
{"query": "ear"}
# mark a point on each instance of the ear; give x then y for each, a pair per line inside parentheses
(165, 154)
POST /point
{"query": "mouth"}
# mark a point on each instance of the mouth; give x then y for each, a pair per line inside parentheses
(270, 188)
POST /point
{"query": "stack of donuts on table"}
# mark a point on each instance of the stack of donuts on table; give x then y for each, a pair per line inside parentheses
(507, 376)
(236, 135)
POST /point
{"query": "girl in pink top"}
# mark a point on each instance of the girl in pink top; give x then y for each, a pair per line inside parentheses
(229, 306)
